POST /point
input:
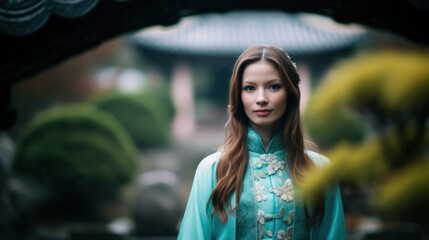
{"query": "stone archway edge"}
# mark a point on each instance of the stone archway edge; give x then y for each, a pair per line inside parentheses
(67, 33)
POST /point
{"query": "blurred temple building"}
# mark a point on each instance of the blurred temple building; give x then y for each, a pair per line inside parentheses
(199, 52)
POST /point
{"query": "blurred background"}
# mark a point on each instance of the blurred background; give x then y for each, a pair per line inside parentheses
(106, 143)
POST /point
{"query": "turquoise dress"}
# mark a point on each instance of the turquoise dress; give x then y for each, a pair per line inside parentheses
(270, 206)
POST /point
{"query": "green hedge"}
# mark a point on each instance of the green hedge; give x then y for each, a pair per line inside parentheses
(329, 129)
(80, 150)
(146, 117)
(161, 97)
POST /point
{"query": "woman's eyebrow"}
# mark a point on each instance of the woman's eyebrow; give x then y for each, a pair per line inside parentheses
(274, 80)
(248, 81)
(269, 81)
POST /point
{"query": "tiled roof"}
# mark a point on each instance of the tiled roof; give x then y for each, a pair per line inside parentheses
(231, 33)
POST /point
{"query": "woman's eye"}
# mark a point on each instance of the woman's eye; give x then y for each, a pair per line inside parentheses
(274, 86)
(248, 88)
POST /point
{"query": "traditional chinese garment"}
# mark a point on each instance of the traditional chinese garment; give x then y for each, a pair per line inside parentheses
(270, 205)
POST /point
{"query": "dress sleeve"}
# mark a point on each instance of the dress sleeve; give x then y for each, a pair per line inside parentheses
(197, 220)
(332, 226)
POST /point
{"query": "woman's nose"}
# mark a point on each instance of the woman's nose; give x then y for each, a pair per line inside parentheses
(261, 98)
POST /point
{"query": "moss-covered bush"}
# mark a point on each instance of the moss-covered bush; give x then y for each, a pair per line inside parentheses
(146, 116)
(82, 153)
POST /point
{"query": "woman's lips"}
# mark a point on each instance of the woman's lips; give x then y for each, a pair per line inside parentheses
(262, 112)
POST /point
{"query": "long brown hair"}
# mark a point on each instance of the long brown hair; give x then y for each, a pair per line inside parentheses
(233, 161)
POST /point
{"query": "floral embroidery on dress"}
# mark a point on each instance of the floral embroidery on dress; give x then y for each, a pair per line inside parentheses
(266, 167)
(261, 195)
(261, 217)
(289, 218)
(268, 157)
(261, 226)
(257, 164)
(285, 192)
(282, 234)
(273, 164)
(285, 235)
(259, 174)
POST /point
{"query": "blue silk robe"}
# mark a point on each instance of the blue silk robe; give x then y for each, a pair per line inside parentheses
(270, 206)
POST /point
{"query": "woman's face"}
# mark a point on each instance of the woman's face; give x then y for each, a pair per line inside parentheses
(263, 95)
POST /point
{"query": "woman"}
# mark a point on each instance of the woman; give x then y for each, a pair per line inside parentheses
(247, 190)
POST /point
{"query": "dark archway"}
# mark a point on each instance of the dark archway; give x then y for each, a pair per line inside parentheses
(60, 38)
(24, 54)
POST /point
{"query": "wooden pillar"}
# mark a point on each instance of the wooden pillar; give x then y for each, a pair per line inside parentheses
(182, 94)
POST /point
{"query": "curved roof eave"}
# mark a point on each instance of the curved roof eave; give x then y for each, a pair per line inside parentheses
(230, 33)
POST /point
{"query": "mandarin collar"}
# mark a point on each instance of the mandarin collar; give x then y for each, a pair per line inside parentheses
(254, 142)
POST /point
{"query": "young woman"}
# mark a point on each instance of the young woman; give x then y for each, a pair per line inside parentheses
(248, 189)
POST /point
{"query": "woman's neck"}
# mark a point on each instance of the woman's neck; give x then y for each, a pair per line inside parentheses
(265, 133)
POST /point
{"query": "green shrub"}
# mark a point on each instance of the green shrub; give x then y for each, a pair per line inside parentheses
(146, 117)
(81, 151)
(162, 97)
(329, 129)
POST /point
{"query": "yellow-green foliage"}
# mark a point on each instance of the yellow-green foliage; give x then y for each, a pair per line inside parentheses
(394, 80)
(391, 87)
(407, 191)
(348, 161)
(386, 83)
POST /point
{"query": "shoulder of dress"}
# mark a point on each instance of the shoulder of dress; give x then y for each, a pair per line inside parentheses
(209, 162)
(318, 159)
